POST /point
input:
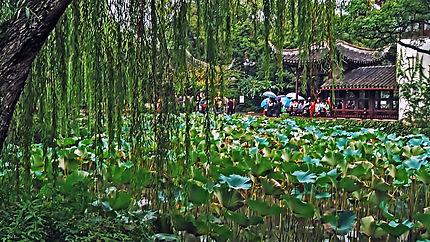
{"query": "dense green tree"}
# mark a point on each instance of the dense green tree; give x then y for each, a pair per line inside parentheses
(365, 23)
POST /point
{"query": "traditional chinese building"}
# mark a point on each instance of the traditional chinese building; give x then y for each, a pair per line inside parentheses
(367, 89)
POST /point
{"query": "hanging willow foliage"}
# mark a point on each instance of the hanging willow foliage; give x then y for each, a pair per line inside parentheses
(111, 59)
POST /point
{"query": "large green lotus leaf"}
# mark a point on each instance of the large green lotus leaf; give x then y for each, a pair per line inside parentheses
(424, 218)
(368, 227)
(361, 170)
(352, 154)
(341, 143)
(345, 223)
(271, 187)
(385, 212)
(202, 227)
(329, 177)
(120, 200)
(379, 184)
(67, 141)
(423, 175)
(231, 170)
(415, 162)
(408, 151)
(402, 176)
(258, 205)
(377, 197)
(396, 229)
(184, 223)
(141, 178)
(230, 199)
(310, 160)
(349, 184)
(262, 167)
(236, 182)
(198, 195)
(77, 177)
(239, 218)
(197, 175)
(305, 177)
(254, 220)
(221, 233)
(276, 155)
(415, 142)
(289, 155)
(229, 129)
(261, 142)
(299, 208)
(332, 158)
(289, 167)
(264, 209)
(215, 157)
(164, 237)
(247, 137)
(236, 155)
(322, 195)
(237, 134)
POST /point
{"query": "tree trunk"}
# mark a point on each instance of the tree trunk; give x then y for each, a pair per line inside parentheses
(20, 41)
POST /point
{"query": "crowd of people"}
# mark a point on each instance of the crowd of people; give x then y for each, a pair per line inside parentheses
(223, 105)
(309, 107)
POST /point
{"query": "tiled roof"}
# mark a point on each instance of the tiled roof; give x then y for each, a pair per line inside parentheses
(349, 52)
(365, 78)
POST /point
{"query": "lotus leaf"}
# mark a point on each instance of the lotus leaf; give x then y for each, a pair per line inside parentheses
(423, 218)
(299, 208)
(368, 226)
(164, 237)
(120, 200)
(230, 199)
(423, 175)
(345, 223)
(198, 195)
(385, 212)
(236, 182)
(221, 233)
(305, 177)
(184, 223)
(396, 229)
(415, 162)
(332, 158)
(271, 187)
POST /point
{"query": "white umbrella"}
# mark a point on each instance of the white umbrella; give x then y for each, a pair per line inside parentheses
(269, 94)
(292, 96)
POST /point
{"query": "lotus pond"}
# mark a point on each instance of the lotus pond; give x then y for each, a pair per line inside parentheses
(250, 179)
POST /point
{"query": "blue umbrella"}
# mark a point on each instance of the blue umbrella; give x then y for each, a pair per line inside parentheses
(286, 101)
(279, 97)
(264, 103)
(269, 94)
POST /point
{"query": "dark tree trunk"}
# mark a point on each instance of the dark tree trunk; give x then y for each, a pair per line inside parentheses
(20, 41)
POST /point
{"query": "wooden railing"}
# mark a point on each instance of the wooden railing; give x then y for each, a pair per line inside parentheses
(365, 114)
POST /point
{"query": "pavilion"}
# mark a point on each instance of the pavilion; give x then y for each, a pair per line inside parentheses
(367, 90)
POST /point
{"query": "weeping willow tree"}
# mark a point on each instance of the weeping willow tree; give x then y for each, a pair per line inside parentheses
(109, 76)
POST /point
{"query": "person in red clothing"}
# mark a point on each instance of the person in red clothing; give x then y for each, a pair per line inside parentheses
(312, 108)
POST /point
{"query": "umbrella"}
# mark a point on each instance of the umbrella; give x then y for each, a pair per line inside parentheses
(264, 103)
(269, 94)
(292, 96)
(279, 97)
(285, 101)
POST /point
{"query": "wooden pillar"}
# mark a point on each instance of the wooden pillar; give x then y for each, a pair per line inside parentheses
(390, 101)
(344, 102)
(371, 103)
(297, 83)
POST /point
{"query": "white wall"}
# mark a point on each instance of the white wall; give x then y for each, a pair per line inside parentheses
(410, 53)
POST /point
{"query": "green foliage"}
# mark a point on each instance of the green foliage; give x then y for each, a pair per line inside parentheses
(363, 23)
(415, 89)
